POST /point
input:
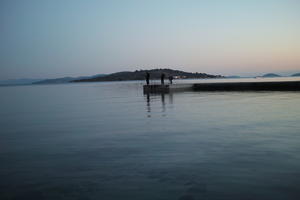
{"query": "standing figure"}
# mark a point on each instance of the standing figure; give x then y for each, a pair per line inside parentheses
(147, 78)
(162, 78)
(171, 79)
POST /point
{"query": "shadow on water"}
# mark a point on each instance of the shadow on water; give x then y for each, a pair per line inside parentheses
(153, 98)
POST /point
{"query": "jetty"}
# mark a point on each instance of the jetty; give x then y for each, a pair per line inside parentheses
(224, 86)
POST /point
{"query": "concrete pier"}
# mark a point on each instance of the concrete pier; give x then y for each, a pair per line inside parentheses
(157, 88)
(226, 86)
(248, 86)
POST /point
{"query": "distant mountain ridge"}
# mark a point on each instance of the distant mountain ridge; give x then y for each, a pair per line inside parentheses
(22, 81)
(233, 76)
(154, 74)
(269, 75)
(66, 79)
(297, 74)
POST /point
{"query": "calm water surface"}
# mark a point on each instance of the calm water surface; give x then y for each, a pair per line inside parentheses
(109, 141)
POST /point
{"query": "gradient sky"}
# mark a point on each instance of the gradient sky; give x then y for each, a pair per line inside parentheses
(55, 38)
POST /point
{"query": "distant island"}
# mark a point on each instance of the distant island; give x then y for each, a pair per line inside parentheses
(270, 75)
(297, 74)
(126, 75)
(154, 74)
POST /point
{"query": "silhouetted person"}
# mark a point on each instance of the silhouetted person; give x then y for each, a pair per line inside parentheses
(171, 79)
(147, 78)
(162, 78)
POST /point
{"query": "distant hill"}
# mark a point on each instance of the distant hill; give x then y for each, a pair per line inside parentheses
(66, 79)
(154, 74)
(270, 75)
(298, 74)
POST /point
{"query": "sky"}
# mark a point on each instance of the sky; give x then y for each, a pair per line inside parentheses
(57, 38)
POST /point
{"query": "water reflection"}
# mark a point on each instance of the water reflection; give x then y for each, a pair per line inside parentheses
(154, 98)
(148, 107)
(163, 103)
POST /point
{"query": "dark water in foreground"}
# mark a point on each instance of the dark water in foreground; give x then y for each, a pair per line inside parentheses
(108, 141)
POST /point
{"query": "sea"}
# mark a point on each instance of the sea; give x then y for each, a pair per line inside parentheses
(109, 141)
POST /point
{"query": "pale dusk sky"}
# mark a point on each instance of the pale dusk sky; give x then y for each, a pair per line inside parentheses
(56, 38)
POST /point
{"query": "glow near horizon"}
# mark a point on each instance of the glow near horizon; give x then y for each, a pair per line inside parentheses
(47, 39)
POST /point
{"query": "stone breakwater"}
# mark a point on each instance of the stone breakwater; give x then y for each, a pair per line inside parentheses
(225, 86)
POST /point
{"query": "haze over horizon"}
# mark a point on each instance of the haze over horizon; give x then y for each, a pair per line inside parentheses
(52, 38)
